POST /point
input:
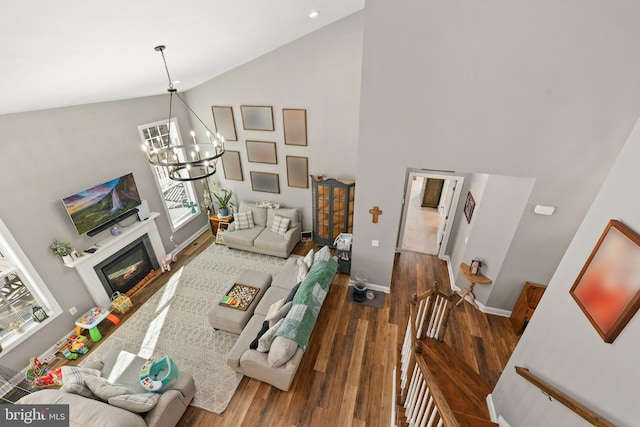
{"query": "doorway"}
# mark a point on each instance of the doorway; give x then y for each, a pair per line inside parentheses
(427, 213)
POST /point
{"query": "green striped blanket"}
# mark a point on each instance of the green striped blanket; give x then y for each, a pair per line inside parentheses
(307, 302)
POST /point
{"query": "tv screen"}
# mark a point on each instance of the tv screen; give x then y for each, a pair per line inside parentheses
(96, 206)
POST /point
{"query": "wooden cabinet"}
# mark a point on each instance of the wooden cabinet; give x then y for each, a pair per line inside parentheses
(526, 305)
(332, 201)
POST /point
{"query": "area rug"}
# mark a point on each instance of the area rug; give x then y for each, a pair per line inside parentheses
(174, 322)
(377, 301)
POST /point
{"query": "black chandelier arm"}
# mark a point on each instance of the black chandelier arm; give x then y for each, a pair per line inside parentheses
(194, 113)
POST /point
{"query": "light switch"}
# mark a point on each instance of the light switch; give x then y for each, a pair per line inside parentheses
(375, 243)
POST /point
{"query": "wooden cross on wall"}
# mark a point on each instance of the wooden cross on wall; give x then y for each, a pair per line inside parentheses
(375, 211)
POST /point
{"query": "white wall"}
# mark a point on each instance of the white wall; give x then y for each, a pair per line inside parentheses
(537, 89)
(561, 346)
(320, 73)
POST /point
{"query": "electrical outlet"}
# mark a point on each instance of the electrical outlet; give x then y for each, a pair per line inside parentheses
(375, 243)
(173, 239)
(73, 310)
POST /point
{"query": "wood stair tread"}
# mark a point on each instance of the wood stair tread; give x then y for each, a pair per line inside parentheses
(464, 390)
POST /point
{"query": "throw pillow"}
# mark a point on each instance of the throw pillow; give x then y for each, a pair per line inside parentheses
(138, 403)
(264, 343)
(280, 225)
(102, 388)
(308, 258)
(323, 254)
(282, 349)
(243, 220)
(73, 379)
(263, 330)
(292, 293)
(278, 314)
(275, 307)
(303, 270)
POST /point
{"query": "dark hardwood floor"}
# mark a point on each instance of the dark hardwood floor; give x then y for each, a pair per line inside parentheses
(345, 378)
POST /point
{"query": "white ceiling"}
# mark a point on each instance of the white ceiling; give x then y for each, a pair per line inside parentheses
(70, 52)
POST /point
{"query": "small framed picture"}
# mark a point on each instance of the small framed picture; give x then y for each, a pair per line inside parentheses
(265, 182)
(307, 236)
(469, 205)
(257, 117)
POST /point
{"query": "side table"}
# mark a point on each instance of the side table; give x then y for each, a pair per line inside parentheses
(473, 279)
(215, 221)
(91, 319)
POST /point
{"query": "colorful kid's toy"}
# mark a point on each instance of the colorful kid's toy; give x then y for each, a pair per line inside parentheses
(41, 376)
(157, 374)
(73, 346)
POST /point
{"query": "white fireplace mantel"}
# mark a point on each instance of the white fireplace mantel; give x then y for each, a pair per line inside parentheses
(85, 264)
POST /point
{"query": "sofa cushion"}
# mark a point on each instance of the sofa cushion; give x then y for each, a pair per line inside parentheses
(83, 411)
(244, 341)
(287, 277)
(291, 213)
(270, 241)
(264, 343)
(259, 213)
(138, 403)
(243, 220)
(280, 225)
(103, 389)
(243, 237)
(282, 349)
(74, 379)
(292, 293)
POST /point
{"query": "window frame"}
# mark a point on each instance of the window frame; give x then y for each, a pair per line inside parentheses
(192, 195)
(34, 283)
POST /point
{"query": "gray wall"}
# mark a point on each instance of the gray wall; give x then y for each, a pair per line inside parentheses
(320, 73)
(561, 346)
(51, 154)
(533, 89)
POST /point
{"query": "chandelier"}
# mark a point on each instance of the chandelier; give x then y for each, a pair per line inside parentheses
(184, 162)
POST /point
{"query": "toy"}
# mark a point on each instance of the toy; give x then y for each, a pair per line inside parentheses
(73, 346)
(157, 374)
(41, 376)
(165, 262)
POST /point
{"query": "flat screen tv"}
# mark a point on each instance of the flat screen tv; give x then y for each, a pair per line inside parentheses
(94, 209)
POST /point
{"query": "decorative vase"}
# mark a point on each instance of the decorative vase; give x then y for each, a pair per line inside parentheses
(67, 259)
(222, 212)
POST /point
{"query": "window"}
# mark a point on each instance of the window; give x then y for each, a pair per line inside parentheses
(20, 289)
(179, 198)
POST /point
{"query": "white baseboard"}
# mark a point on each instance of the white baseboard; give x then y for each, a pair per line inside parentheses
(373, 287)
(189, 240)
(483, 308)
(492, 409)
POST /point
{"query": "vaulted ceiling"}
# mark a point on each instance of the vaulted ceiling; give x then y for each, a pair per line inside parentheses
(70, 52)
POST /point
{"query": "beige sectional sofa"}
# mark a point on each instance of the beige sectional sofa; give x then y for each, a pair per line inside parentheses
(260, 238)
(259, 365)
(122, 368)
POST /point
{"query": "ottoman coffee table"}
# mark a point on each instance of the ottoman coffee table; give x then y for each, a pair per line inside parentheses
(234, 320)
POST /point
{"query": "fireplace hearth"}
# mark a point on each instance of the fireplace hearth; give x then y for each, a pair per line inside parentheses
(127, 267)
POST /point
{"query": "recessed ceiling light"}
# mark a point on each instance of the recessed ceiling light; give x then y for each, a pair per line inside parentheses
(314, 13)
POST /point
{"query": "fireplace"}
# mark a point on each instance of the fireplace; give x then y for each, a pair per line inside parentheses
(127, 267)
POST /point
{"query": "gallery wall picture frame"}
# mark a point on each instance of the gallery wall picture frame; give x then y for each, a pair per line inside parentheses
(469, 206)
(224, 122)
(294, 124)
(607, 289)
(262, 152)
(257, 117)
(265, 181)
(297, 171)
(232, 165)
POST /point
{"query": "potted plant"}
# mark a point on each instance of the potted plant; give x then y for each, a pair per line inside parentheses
(63, 250)
(223, 201)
